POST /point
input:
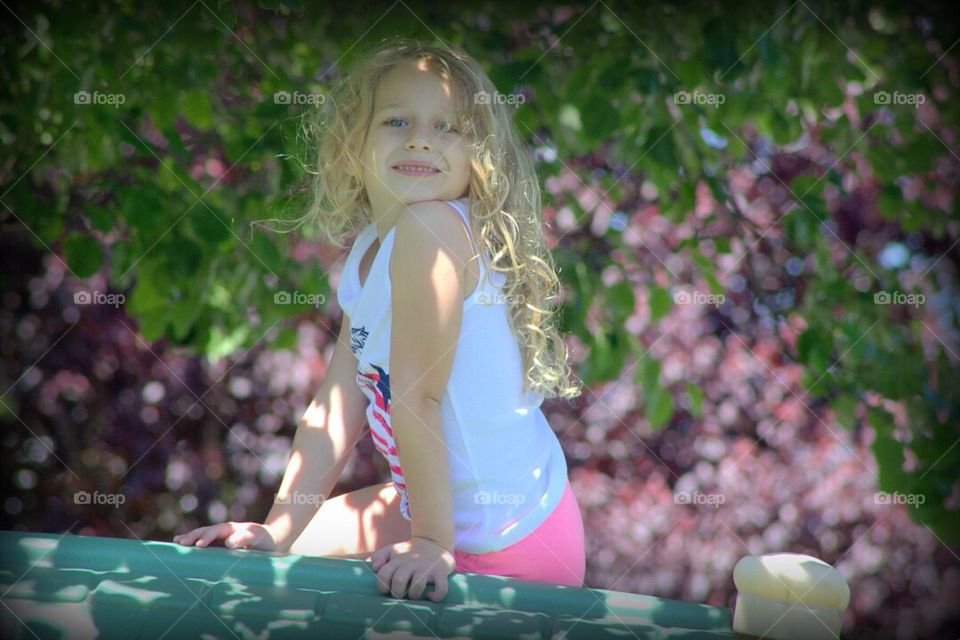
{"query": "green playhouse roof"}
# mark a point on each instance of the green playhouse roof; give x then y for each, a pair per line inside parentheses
(69, 586)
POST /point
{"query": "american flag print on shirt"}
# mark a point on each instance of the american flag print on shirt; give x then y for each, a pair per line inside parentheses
(358, 338)
(374, 382)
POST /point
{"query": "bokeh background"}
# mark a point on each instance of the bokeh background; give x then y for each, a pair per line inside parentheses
(752, 206)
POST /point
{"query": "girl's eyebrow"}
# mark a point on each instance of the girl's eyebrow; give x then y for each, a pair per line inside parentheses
(389, 106)
(393, 105)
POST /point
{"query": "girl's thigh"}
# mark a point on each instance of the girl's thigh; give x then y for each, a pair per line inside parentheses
(554, 553)
(357, 522)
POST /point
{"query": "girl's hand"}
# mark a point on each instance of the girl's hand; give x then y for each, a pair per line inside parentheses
(237, 535)
(417, 561)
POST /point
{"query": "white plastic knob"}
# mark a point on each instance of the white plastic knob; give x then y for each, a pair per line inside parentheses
(788, 596)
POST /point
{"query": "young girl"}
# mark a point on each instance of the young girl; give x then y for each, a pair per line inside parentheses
(447, 348)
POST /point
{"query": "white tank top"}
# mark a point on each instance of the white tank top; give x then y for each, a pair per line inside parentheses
(508, 470)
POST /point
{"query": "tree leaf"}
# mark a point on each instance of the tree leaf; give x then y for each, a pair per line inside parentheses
(599, 117)
(223, 342)
(888, 452)
(659, 405)
(569, 117)
(83, 254)
(197, 109)
(720, 51)
(620, 300)
(845, 408)
(210, 226)
(660, 303)
(647, 373)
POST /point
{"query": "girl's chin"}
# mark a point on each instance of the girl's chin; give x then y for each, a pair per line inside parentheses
(423, 192)
(420, 195)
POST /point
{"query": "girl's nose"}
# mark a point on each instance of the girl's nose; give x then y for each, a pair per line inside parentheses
(418, 142)
(418, 139)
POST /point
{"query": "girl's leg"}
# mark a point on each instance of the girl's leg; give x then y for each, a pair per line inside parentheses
(355, 524)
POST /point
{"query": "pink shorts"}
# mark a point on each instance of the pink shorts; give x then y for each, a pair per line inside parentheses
(554, 553)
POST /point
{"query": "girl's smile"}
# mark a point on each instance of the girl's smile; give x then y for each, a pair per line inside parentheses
(416, 168)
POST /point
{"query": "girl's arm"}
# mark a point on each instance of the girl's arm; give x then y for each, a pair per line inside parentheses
(325, 435)
(427, 275)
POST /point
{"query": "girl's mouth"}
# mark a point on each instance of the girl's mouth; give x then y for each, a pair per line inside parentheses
(412, 170)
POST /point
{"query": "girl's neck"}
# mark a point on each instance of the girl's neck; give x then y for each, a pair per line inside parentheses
(385, 218)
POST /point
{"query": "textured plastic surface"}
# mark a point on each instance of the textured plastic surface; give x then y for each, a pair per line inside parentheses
(789, 596)
(68, 586)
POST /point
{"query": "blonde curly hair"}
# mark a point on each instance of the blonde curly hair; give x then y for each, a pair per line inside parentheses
(504, 192)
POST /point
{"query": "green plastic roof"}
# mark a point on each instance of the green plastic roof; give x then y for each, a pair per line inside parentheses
(69, 586)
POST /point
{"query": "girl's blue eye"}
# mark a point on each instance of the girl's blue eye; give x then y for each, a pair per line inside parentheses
(446, 126)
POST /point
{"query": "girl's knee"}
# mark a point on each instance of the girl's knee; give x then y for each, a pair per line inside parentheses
(354, 523)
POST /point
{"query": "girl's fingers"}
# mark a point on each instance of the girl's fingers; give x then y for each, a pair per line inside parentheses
(380, 558)
(385, 579)
(208, 535)
(207, 538)
(185, 538)
(417, 586)
(237, 539)
(398, 585)
(439, 588)
(204, 536)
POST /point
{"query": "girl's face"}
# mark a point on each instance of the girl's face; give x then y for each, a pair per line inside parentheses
(413, 150)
